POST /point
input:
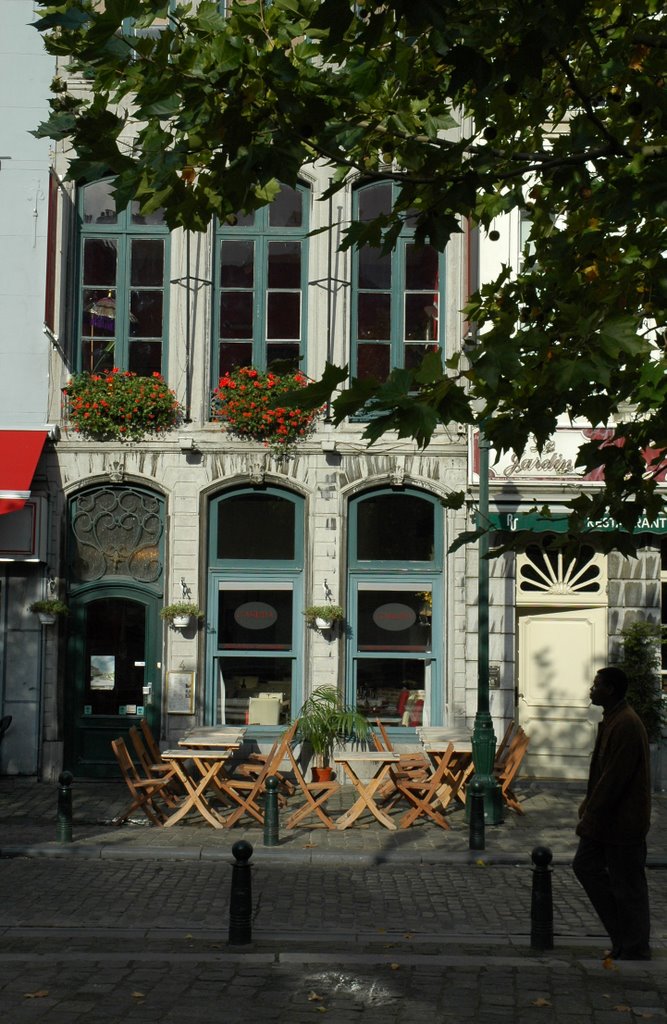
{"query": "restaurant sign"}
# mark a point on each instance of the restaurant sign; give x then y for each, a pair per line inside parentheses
(255, 615)
(394, 616)
(558, 523)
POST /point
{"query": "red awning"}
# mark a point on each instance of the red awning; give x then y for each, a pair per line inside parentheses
(19, 454)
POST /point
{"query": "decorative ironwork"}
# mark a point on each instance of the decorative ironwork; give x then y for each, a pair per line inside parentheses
(117, 531)
(545, 571)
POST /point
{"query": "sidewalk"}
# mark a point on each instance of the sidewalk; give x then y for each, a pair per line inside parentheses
(28, 812)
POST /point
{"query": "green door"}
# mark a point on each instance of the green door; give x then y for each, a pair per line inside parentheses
(115, 675)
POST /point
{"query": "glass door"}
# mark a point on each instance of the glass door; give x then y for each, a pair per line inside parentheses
(116, 676)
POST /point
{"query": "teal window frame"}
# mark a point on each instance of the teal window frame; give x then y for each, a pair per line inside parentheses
(396, 343)
(263, 573)
(261, 234)
(123, 232)
(394, 576)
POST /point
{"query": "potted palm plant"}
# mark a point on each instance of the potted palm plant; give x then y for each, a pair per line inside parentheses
(180, 613)
(326, 720)
(48, 610)
(324, 616)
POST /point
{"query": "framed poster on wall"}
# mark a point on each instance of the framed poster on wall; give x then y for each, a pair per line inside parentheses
(180, 693)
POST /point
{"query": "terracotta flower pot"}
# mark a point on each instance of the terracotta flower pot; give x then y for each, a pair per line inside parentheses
(322, 774)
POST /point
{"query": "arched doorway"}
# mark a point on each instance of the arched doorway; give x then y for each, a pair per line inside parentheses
(114, 651)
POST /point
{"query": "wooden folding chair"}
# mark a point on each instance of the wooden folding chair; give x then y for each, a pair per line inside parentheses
(411, 765)
(503, 747)
(146, 792)
(150, 742)
(155, 769)
(424, 792)
(507, 773)
(316, 794)
(245, 792)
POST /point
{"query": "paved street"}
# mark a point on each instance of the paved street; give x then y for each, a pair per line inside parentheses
(131, 925)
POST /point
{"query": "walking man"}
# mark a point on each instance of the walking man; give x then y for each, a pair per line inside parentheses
(614, 819)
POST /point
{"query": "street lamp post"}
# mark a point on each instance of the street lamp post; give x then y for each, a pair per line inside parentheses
(483, 736)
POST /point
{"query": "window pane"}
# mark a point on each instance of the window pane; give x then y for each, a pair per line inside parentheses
(283, 353)
(283, 315)
(255, 619)
(99, 261)
(286, 210)
(147, 262)
(156, 217)
(242, 527)
(392, 689)
(237, 264)
(234, 355)
(374, 200)
(414, 355)
(146, 357)
(421, 317)
(246, 677)
(284, 264)
(115, 658)
(374, 268)
(373, 361)
(236, 314)
(393, 621)
(395, 527)
(421, 267)
(374, 316)
(146, 314)
(97, 354)
(99, 312)
(99, 205)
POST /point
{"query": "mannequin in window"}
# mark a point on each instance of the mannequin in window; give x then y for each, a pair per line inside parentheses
(410, 705)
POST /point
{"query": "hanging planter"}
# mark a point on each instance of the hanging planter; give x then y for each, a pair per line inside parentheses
(118, 405)
(324, 616)
(181, 613)
(48, 610)
(245, 401)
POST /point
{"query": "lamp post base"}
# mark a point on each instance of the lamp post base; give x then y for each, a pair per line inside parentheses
(483, 753)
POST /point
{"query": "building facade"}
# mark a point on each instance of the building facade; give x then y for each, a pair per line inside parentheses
(254, 538)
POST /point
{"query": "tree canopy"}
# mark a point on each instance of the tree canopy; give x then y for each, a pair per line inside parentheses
(556, 109)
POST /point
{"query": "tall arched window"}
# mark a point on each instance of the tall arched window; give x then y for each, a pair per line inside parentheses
(123, 284)
(255, 604)
(397, 295)
(260, 286)
(396, 606)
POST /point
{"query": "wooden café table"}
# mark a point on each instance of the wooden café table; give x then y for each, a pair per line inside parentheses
(457, 771)
(380, 764)
(208, 767)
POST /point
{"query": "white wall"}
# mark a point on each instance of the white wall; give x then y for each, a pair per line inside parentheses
(25, 73)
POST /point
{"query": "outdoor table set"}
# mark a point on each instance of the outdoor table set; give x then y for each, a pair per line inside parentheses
(205, 775)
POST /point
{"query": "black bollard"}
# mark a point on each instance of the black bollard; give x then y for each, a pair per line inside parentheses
(541, 907)
(476, 796)
(64, 826)
(240, 900)
(271, 824)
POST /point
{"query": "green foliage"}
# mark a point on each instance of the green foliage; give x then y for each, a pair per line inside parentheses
(178, 608)
(556, 111)
(118, 405)
(325, 720)
(328, 612)
(249, 402)
(49, 606)
(641, 661)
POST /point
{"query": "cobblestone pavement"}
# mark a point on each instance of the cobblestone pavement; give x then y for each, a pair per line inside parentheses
(131, 924)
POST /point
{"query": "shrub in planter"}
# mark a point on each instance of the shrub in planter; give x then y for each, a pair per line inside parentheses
(181, 610)
(49, 606)
(327, 614)
(640, 660)
(118, 405)
(245, 400)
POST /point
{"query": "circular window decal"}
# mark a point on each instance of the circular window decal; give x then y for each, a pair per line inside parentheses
(255, 615)
(394, 617)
